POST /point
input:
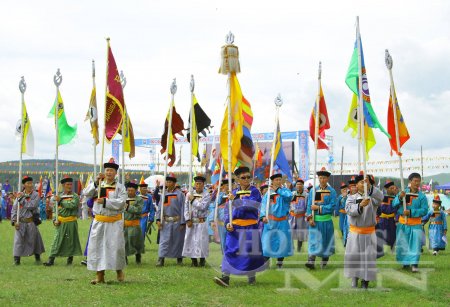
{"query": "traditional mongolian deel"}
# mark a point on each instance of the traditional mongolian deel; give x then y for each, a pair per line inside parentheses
(196, 240)
(171, 238)
(361, 249)
(276, 236)
(106, 249)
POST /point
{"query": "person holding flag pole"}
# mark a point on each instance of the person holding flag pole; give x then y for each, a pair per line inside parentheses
(170, 216)
(411, 202)
(57, 79)
(196, 240)
(321, 204)
(27, 238)
(236, 145)
(276, 237)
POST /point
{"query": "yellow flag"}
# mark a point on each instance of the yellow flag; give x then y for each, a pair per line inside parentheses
(237, 121)
(128, 137)
(352, 123)
(27, 141)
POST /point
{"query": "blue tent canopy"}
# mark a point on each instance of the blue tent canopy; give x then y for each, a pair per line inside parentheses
(443, 187)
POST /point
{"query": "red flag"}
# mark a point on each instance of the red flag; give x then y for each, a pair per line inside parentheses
(402, 130)
(80, 186)
(177, 127)
(324, 122)
(40, 187)
(115, 104)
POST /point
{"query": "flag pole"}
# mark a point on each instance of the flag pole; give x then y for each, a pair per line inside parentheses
(173, 90)
(316, 134)
(389, 64)
(191, 125)
(22, 88)
(95, 142)
(254, 161)
(342, 164)
(104, 117)
(361, 106)
(57, 79)
(216, 209)
(278, 103)
(123, 82)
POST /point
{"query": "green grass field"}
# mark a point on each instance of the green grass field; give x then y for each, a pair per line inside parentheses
(35, 285)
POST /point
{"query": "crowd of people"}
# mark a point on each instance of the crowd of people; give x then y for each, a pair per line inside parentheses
(252, 224)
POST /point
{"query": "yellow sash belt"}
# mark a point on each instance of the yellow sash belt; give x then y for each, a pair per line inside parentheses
(66, 219)
(387, 216)
(108, 219)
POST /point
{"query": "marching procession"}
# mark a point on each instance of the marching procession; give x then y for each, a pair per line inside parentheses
(251, 235)
(256, 223)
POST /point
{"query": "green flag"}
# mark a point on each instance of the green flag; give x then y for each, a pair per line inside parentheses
(66, 133)
(352, 80)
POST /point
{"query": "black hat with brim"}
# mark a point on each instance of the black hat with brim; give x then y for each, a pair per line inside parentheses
(323, 173)
(388, 184)
(225, 181)
(241, 170)
(300, 180)
(111, 165)
(359, 178)
(131, 185)
(171, 178)
(276, 176)
(66, 180)
(199, 178)
(26, 179)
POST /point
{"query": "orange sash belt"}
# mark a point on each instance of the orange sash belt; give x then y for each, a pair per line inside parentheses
(362, 230)
(297, 215)
(241, 222)
(342, 211)
(436, 223)
(108, 219)
(144, 214)
(278, 219)
(410, 221)
(132, 223)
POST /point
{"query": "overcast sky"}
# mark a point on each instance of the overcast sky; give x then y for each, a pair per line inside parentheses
(280, 46)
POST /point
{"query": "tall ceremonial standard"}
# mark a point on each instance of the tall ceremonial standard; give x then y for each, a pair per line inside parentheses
(92, 116)
(64, 132)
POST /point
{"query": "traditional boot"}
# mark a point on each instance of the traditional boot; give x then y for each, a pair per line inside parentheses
(414, 268)
(50, 261)
(138, 258)
(126, 260)
(16, 260)
(69, 260)
(252, 280)
(84, 262)
(180, 261)
(160, 262)
(100, 278)
(364, 284)
(223, 281)
(310, 263)
(299, 245)
(354, 282)
(202, 262)
(323, 263)
(280, 262)
(37, 258)
(120, 275)
(194, 262)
